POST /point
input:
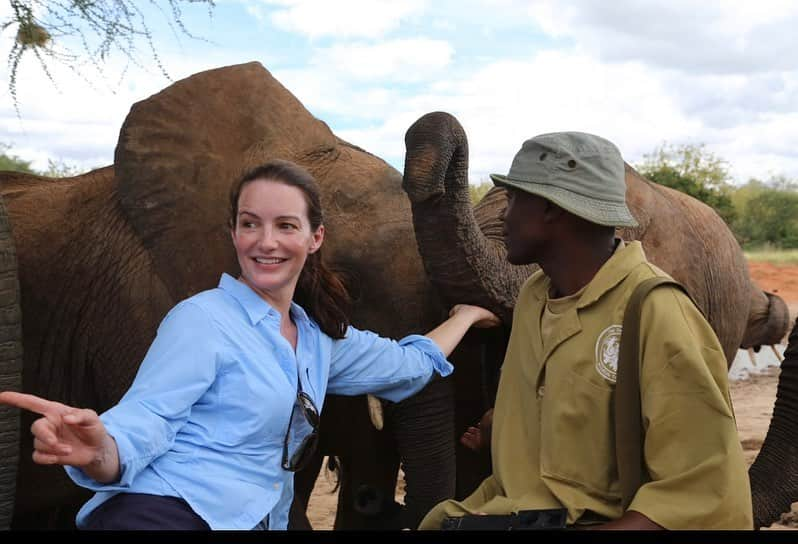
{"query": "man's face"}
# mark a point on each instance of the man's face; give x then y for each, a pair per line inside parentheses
(524, 228)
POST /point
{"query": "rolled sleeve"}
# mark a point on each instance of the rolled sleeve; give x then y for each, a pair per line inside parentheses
(364, 362)
(439, 362)
(178, 369)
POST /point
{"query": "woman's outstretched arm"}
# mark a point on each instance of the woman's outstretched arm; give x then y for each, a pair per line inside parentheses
(461, 318)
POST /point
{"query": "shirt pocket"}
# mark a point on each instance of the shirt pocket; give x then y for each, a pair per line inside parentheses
(252, 413)
(578, 435)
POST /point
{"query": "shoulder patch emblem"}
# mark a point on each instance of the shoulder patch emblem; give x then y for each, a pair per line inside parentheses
(608, 346)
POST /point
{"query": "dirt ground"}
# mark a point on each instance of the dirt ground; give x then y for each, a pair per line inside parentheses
(779, 279)
(753, 394)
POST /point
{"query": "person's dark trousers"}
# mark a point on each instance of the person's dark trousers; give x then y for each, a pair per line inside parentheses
(137, 511)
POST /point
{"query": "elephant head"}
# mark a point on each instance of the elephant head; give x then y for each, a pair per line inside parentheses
(465, 257)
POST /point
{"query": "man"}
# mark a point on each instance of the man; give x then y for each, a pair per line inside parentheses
(552, 442)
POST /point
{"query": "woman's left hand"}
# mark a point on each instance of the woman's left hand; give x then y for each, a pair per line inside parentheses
(461, 318)
(480, 317)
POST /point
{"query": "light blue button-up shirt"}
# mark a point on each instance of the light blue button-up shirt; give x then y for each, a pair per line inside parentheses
(207, 413)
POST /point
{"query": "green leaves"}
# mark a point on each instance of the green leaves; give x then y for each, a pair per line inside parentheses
(47, 28)
(55, 168)
(769, 216)
(11, 162)
(760, 214)
(695, 171)
(476, 192)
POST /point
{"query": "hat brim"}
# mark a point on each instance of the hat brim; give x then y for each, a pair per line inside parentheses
(601, 212)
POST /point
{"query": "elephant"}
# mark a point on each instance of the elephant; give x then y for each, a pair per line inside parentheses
(465, 258)
(92, 263)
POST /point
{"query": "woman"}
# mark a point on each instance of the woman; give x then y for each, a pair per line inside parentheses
(225, 405)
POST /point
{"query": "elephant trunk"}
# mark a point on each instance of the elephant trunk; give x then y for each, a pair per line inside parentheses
(774, 473)
(424, 426)
(10, 368)
(464, 264)
(768, 320)
(462, 248)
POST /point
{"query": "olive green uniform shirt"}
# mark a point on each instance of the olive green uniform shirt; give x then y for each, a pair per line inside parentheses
(553, 431)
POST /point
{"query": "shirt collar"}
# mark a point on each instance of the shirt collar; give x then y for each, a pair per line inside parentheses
(255, 307)
(626, 257)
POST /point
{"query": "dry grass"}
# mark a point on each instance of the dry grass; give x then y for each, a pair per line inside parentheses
(773, 256)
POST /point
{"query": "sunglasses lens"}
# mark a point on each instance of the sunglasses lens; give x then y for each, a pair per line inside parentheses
(304, 423)
(303, 454)
(309, 409)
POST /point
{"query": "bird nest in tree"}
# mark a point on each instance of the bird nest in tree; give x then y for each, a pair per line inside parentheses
(31, 34)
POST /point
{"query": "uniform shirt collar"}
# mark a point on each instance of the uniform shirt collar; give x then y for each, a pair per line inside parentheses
(626, 257)
(256, 308)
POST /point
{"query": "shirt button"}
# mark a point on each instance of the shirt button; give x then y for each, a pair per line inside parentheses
(276, 486)
(541, 390)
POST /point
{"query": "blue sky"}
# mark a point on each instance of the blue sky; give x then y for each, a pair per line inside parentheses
(723, 73)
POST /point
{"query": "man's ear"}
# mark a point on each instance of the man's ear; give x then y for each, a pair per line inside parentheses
(552, 213)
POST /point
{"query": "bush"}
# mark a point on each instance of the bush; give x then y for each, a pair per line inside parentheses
(770, 217)
(695, 171)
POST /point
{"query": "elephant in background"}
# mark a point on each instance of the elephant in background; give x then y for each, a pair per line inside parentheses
(465, 257)
(100, 258)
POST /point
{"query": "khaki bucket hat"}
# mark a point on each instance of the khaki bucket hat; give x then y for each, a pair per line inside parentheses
(580, 172)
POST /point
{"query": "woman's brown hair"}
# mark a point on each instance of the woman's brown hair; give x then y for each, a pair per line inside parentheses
(319, 290)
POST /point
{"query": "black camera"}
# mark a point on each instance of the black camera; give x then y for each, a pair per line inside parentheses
(524, 520)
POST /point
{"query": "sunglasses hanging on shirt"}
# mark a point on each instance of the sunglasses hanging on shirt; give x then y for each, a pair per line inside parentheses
(304, 422)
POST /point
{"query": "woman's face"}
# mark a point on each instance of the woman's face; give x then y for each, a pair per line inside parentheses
(273, 238)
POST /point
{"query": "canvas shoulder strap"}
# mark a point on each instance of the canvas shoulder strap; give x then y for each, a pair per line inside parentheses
(628, 417)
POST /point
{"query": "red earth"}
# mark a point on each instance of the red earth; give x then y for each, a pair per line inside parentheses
(778, 279)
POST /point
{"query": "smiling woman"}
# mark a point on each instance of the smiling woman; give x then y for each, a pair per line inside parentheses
(276, 227)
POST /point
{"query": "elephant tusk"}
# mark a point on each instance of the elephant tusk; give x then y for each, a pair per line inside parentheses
(375, 411)
(778, 355)
(752, 356)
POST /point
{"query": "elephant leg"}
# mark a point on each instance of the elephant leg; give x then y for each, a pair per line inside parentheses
(367, 464)
(424, 429)
(367, 490)
(774, 473)
(367, 476)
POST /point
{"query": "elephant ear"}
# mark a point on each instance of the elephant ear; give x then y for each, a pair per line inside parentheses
(180, 151)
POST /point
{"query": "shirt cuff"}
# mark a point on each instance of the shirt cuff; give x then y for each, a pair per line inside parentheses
(431, 349)
(126, 475)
